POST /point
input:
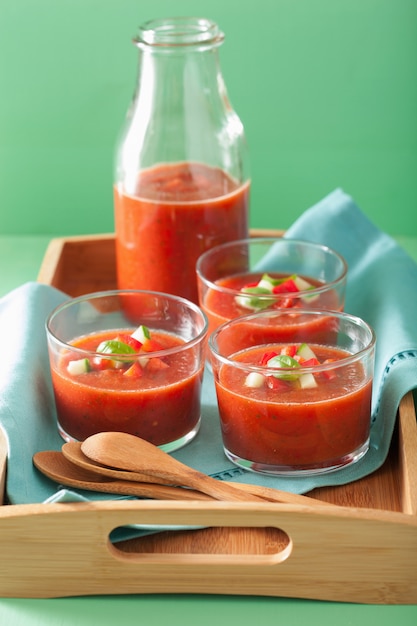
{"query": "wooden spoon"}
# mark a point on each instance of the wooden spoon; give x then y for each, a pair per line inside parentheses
(73, 452)
(55, 466)
(128, 452)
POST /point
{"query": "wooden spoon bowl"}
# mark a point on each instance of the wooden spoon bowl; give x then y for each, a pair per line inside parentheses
(72, 451)
(58, 468)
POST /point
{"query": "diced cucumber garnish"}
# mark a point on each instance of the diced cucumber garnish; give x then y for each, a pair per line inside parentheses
(307, 381)
(248, 299)
(304, 285)
(141, 334)
(305, 352)
(264, 284)
(254, 380)
(75, 368)
(143, 361)
(267, 282)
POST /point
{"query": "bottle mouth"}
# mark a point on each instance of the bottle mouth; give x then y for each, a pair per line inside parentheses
(179, 31)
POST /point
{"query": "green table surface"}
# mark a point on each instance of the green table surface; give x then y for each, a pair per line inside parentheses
(20, 259)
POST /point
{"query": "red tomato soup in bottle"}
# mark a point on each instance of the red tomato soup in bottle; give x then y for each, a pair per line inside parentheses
(177, 212)
(181, 181)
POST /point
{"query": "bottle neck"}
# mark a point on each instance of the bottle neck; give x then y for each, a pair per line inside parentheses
(180, 34)
(180, 82)
(180, 110)
(179, 55)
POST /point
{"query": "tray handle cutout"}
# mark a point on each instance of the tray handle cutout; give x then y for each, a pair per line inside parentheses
(249, 546)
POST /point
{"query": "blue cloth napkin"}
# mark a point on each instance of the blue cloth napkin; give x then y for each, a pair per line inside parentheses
(382, 289)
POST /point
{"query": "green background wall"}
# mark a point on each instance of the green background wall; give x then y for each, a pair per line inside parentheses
(327, 90)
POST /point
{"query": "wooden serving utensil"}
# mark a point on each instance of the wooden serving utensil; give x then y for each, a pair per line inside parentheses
(73, 452)
(58, 468)
(128, 452)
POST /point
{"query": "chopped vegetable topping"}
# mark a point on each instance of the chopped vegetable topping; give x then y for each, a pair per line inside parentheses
(248, 299)
(268, 285)
(305, 352)
(255, 379)
(135, 370)
(141, 334)
(288, 361)
(78, 367)
(122, 346)
(113, 346)
(287, 365)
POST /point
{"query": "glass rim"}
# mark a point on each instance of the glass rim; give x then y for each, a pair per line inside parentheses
(178, 32)
(117, 292)
(259, 240)
(351, 358)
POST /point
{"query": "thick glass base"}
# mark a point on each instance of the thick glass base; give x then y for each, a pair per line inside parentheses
(166, 447)
(297, 470)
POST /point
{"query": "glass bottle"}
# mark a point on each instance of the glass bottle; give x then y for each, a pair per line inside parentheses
(181, 181)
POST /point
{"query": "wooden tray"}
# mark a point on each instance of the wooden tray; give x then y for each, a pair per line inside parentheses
(362, 550)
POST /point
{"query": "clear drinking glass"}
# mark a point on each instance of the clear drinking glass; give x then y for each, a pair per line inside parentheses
(104, 379)
(288, 404)
(227, 275)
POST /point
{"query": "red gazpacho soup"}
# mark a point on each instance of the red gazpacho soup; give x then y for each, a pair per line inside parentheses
(241, 294)
(177, 212)
(124, 385)
(312, 413)
(290, 319)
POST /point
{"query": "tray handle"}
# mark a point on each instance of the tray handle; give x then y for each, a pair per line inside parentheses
(334, 553)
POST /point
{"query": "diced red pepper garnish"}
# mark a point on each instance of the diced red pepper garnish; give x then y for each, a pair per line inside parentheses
(151, 345)
(97, 363)
(277, 384)
(135, 370)
(285, 303)
(288, 286)
(309, 362)
(156, 364)
(328, 374)
(289, 350)
(129, 341)
(267, 356)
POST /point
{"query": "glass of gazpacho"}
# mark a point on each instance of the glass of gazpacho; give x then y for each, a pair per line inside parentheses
(129, 361)
(258, 273)
(296, 406)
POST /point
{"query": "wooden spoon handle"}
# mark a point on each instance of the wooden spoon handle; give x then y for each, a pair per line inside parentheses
(220, 490)
(276, 495)
(142, 490)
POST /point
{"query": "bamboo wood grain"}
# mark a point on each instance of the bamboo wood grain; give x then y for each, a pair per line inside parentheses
(3, 465)
(407, 447)
(332, 554)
